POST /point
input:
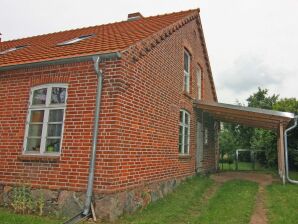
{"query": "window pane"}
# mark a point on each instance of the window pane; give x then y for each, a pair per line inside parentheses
(186, 148)
(53, 145)
(58, 95)
(206, 136)
(35, 130)
(33, 144)
(186, 82)
(54, 130)
(56, 115)
(37, 116)
(186, 131)
(180, 134)
(199, 80)
(181, 116)
(39, 96)
(180, 149)
(186, 62)
(186, 118)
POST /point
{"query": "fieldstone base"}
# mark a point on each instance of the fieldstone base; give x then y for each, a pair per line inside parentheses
(107, 207)
(110, 207)
(56, 203)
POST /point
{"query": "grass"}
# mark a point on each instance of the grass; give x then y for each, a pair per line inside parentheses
(175, 207)
(243, 166)
(293, 175)
(233, 203)
(7, 217)
(282, 203)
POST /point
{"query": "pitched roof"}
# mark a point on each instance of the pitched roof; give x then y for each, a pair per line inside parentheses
(106, 38)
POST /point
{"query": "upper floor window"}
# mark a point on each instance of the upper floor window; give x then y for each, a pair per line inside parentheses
(199, 82)
(186, 85)
(45, 119)
(184, 130)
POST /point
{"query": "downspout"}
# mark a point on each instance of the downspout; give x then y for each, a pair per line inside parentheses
(89, 191)
(286, 152)
(86, 213)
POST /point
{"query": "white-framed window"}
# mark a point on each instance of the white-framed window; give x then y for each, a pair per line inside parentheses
(184, 131)
(45, 119)
(199, 82)
(186, 84)
(206, 136)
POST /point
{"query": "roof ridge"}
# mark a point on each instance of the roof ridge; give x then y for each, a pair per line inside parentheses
(143, 46)
(88, 27)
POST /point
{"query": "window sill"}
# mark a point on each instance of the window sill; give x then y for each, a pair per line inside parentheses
(187, 95)
(184, 157)
(39, 158)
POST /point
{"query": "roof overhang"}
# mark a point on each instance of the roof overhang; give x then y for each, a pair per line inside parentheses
(248, 116)
(63, 60)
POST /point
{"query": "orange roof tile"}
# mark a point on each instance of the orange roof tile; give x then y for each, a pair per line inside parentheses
(107, 38)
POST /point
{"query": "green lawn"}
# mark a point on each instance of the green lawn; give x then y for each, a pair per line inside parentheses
(282, 203)
(176, 207)
(294, 175)
(7, 217)
(242, 166)
(233, 203)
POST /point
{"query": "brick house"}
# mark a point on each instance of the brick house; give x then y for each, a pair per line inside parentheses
(143, 76)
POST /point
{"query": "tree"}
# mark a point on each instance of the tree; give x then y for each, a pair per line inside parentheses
(287, 105)
(290, 105)
(267, 141)
(264, 139)
(235, 136)
(253, 138)
(260, 99)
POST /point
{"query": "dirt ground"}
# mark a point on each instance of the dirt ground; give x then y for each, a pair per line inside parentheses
(259, 215)
(260, 178)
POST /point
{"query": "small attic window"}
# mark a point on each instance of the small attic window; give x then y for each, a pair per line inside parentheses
(75, 40)
(12, 49)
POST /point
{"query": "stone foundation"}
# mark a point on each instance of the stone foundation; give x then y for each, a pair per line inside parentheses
(110, 207)
(107, 207)
(56, 203)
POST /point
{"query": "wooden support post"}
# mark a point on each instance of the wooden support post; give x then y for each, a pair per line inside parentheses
(278, 155)
(282, 152)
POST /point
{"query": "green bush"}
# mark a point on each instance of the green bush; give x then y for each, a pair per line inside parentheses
(22, 201)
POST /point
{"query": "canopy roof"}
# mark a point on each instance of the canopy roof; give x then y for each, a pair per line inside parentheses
(249, 116)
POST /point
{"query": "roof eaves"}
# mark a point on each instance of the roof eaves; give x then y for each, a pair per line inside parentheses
(62, 60)
(248, 109)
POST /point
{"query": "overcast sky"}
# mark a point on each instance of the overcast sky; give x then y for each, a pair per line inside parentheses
(250, 43)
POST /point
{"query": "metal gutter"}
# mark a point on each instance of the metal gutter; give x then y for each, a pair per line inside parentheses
(286, 151)
(61, 61)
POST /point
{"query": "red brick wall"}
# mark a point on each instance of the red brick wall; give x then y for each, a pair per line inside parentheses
(71, 171)
(149, 113)
(139, 119)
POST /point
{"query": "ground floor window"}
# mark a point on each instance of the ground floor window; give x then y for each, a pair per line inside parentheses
(184, 130)
(45, 119)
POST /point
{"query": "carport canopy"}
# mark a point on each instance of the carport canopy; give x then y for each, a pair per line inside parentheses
(249, 116)
(252, 117)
